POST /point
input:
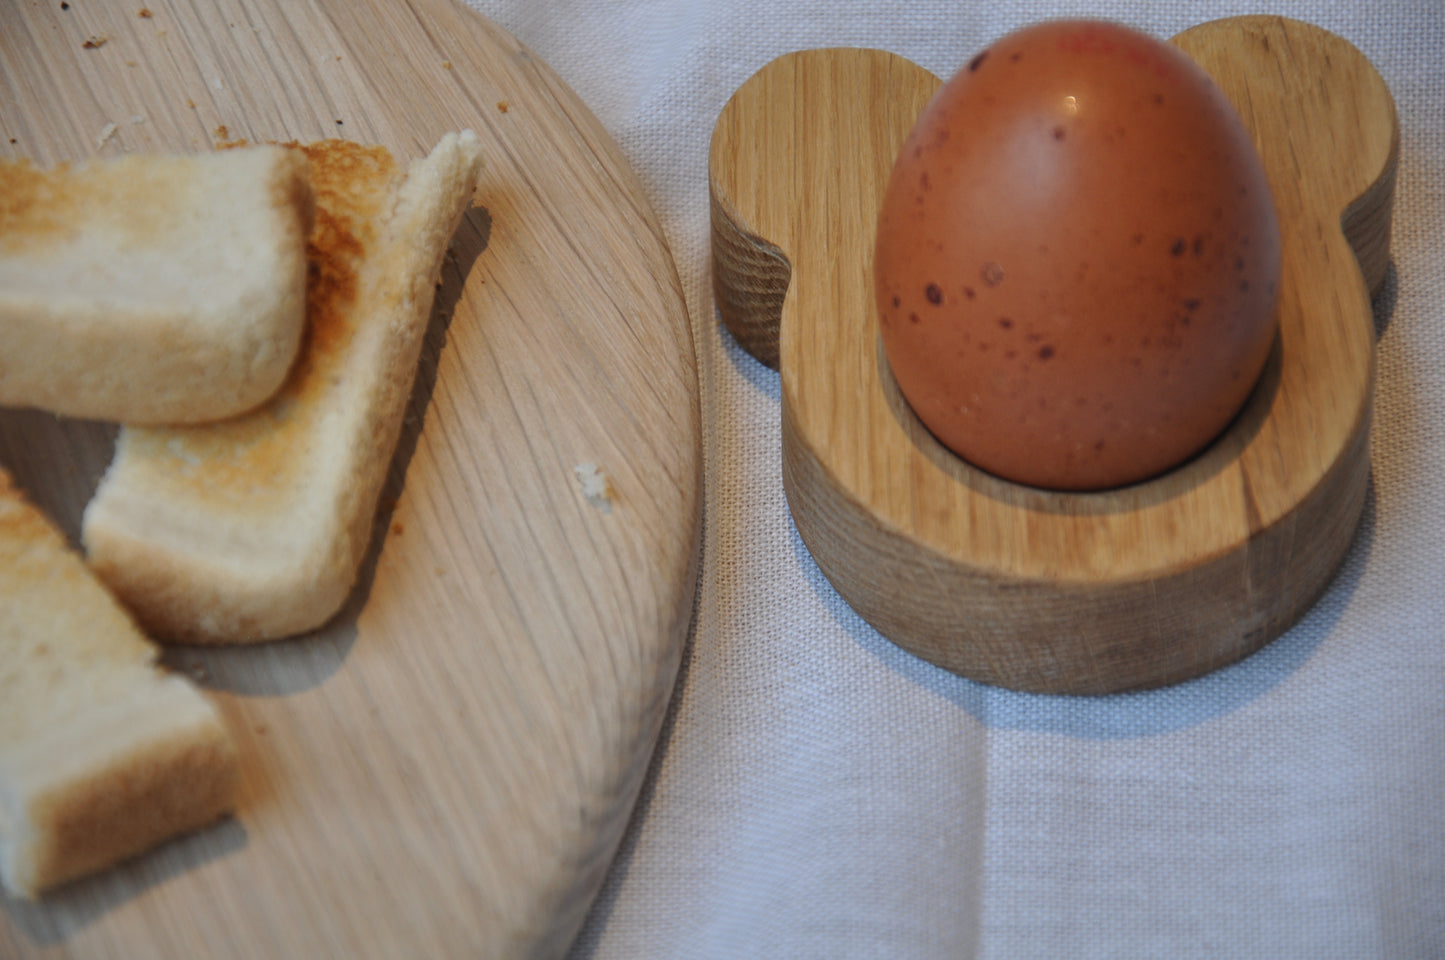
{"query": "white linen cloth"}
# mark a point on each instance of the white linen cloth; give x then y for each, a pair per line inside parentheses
(817, 792)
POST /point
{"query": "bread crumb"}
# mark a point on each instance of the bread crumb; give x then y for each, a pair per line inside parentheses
(106, 132)
(502, 106)
(446, 64)
(144, 13)
(397, 529)
(222, 133)
(596, 487)
(94, 43)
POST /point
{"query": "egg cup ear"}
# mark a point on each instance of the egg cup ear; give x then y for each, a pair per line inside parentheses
(1083, 593)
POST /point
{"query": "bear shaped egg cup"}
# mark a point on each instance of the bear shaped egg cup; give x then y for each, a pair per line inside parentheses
(1032, 589)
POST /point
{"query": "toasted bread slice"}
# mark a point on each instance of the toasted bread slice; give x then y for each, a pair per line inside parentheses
(152, 289)
(254, 528)
(102, 755)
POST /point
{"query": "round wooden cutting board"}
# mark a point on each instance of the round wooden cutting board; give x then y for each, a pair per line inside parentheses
(447, 768)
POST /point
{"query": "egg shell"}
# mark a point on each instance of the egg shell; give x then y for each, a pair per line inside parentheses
(1077, 259)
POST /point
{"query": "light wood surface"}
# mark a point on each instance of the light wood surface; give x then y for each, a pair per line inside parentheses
(446, 769)
(1011, 585)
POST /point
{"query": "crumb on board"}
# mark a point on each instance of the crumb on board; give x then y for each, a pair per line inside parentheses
(596, 487)
(190, 103)
(137, 119)
(446, 64)
(144, 13)
(503, 106)
(222, 133)
(106, 132)
(64, 5)
(94, 43)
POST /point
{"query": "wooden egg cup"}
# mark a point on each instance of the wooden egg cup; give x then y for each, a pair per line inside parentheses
(1084, 593)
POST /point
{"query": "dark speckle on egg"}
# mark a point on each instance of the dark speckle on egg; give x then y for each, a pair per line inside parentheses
(934, 293)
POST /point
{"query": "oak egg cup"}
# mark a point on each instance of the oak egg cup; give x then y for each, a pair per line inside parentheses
(1031, 589)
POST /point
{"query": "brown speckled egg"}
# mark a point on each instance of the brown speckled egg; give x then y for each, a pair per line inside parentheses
(1077, 258)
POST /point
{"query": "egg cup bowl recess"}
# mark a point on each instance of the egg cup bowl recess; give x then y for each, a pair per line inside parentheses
(1038, 590)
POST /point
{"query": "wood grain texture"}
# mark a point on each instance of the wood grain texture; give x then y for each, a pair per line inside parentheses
(447, 768)
(1038, 590)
